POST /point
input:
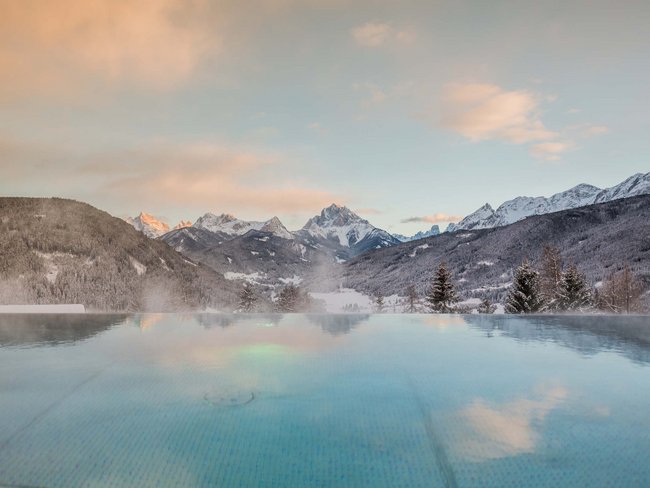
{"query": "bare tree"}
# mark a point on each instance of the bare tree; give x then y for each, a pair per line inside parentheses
(411, 299)
(621, 293)
(550, 277)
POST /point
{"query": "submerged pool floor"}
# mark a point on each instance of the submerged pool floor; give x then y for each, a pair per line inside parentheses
(301, 401)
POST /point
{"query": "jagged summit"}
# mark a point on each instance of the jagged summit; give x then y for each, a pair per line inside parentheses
(149, 225)
(434, 231)
(277, 228)
(579, 196)
(334, 216)
(226, 223)
(337, 225)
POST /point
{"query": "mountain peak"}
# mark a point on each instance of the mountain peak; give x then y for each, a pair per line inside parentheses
(275, 227)
(580, 195)
(336, 216)
(149, 225)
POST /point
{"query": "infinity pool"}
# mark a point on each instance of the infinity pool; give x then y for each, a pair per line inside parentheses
(302, 401)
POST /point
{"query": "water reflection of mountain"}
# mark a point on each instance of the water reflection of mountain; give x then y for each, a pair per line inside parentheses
(627, 335)
(211, 320)
(51, 330)
(338, 324)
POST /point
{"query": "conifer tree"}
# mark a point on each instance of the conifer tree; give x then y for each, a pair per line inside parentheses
(247, 298)
(574, 294)
(289, 298)
(486, 307)
(411, 299)
(442, 294)
(524, 295)
(379, 302)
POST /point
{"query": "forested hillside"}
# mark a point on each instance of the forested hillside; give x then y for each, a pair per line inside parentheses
(599, 239)
(63, 251)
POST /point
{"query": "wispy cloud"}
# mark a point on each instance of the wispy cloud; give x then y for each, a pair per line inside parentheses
(482, 112)
(377, 34)
(550, 151)
(433, 219)
(197, 176)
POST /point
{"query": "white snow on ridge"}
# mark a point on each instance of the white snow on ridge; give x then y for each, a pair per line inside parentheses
(226, 224)
(521, 207)
(341, 224)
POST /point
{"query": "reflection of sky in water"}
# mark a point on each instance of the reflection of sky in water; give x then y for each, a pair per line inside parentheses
(171, 400)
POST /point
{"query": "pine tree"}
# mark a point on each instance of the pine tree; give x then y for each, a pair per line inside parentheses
(574, 293)
(411, 299)
(524, 296)
(288, 300)
(379, 302)
(442, 294)
(486, 307)
(247, 298)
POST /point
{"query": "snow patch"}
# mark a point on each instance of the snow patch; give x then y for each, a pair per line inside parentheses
(251, 277)
(138, 266)
(295, 280)
(415, 250)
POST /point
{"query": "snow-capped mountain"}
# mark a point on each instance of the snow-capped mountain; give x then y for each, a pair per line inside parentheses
(182, 224)
(340, 229)
(275, 227)
(226, 224)
(638, 184)
(229, 225)
(521, 207)
(149, 225)
(434, 231)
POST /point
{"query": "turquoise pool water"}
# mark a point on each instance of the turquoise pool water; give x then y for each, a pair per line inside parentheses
(301, 401)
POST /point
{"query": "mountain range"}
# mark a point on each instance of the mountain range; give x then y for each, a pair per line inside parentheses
(267, 253)
(600, 239)
(521, 207)
(61, 251)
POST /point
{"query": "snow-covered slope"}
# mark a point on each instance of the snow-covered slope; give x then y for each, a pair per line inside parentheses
(638, 184)
(338, 228)
(275, 227)
(149, 225)
(182, 224)
(226, 224)
(229, 225)
(521, 207)
(434, 231)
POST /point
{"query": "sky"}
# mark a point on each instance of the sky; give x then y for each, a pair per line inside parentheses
(408, 112)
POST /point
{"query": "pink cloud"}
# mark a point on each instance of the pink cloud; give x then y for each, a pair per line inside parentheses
(482, 112)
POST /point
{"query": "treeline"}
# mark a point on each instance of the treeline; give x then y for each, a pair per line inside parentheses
(290, 299)
(547, 287)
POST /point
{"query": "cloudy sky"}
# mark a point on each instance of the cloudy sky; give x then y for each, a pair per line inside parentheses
(409, 112)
